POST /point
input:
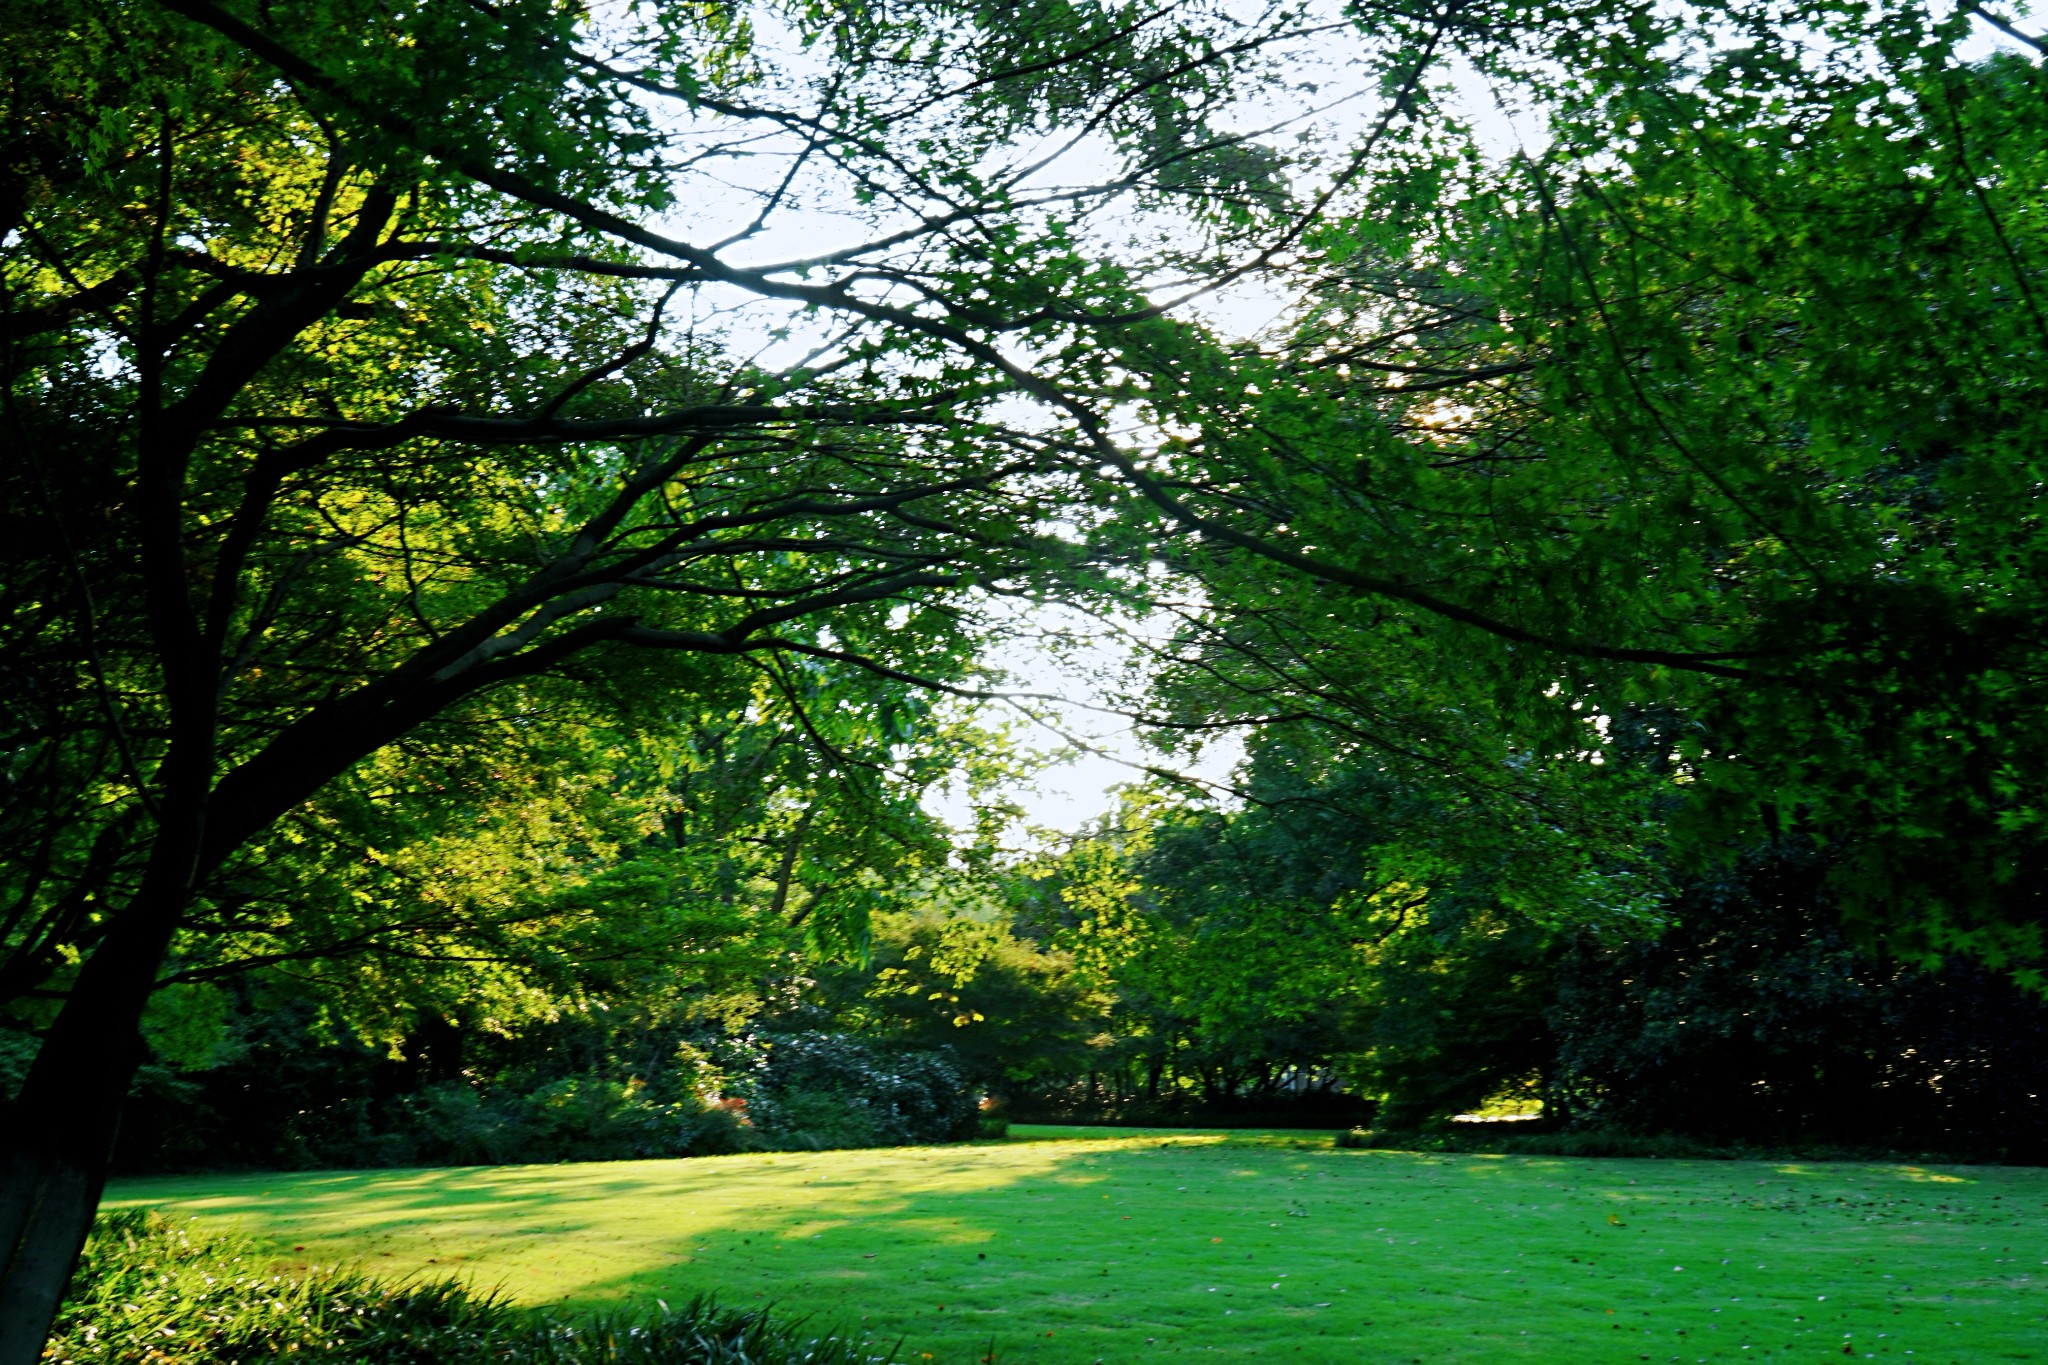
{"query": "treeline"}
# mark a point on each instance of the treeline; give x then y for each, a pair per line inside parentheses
(1282, 963)
(1729, 1007)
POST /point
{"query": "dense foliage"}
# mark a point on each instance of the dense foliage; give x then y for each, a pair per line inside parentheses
(606, 1086)
(1730, 1008)
(1754, 1017)
(1713, 422)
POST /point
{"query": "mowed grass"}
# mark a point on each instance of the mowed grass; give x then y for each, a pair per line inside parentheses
(1065, 1246)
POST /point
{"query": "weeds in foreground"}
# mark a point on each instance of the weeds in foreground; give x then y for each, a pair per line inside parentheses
(148, 1291)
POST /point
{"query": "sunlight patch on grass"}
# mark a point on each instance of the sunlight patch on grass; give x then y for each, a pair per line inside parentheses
(1124, 1245)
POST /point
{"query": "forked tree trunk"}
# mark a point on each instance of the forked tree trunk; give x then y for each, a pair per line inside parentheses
(56, 1142)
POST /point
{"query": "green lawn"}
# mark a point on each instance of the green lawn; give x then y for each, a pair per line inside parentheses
(1124, 1245)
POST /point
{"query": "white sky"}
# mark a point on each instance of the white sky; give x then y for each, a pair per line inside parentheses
(1103, 751)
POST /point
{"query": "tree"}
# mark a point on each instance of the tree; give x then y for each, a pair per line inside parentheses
(1712, 423)
(1359, 917)
(956, 972)
(365, 430)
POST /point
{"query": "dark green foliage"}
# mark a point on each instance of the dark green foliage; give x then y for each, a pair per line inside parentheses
(819, 1090)
(1216, 962)
(588, 1089)
(1455, 1017)
(147, 1289)
(1354, 935)
(980, 983)
(1748, 1018)
(1753, 1017)
(582, 1089)
(446, 1123)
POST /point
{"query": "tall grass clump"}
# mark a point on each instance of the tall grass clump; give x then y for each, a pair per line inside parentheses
(150, 1291)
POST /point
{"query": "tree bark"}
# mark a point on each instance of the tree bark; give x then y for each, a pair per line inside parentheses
(57, 1140)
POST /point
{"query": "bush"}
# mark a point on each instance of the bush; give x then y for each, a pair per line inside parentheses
(457, 1123)
(820, 1090)
(1085, 1104)
(147, 1289)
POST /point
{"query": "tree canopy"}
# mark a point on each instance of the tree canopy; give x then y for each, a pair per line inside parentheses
(502, 497)
(1700, 445)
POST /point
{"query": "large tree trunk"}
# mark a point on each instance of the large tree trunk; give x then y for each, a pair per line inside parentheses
(46, 1207)
(56, 1142)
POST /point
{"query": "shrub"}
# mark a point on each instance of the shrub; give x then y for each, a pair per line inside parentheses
(816, 1121)
(147, 1289)
(818, 1090)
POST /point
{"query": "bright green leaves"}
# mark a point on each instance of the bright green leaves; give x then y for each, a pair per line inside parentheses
(1820, 329)
(1706, 426)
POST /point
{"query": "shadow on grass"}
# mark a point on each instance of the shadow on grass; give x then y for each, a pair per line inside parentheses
(1079, 1244)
